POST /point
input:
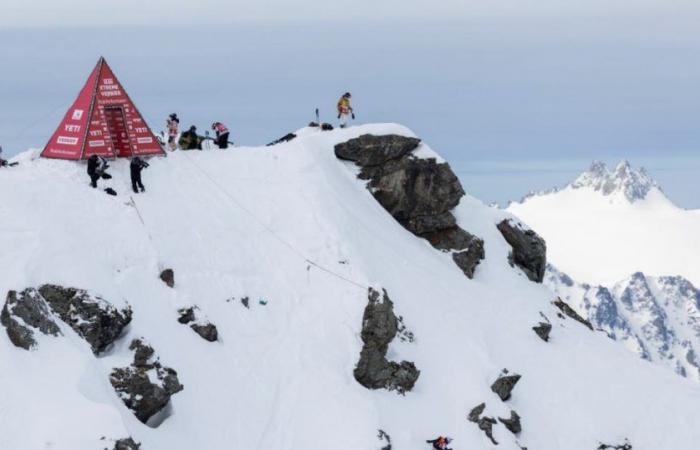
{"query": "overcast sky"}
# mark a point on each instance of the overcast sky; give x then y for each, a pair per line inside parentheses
(24, 13)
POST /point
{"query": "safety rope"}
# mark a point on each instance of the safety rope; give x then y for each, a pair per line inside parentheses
(272, 232)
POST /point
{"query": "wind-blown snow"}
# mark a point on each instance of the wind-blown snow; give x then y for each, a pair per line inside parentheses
(607, 225)
(241, 223)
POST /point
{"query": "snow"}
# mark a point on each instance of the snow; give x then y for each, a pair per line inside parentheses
(249, 222)
(601, 238)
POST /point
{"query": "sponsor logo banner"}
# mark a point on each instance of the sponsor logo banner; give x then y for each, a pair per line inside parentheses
(66, 140)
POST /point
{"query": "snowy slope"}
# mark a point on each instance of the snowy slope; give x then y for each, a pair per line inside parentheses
(656, 317)
(243, 223)
(622, 223)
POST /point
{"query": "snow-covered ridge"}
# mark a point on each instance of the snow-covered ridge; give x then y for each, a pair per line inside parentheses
(243, 224)
(657, 318)
(623, 180)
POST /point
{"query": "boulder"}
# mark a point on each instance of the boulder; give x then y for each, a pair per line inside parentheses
(419, 193)
(512, 423)
(542, 330)
(206, 330)
(370, 150)
(505, 384)
(23, 314)
(529, 249)
(145, 386)
(569, 311)
(90, 316)
(168, 277)
(485, 423)
(379, 327)
(126, 444)
(385, 439)
(624, 446)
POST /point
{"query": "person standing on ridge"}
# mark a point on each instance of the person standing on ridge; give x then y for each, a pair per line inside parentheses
(172, 123)
(3, 162)
(221, 134)
(440, 443)
(189, 140)
(345, 111)
(136, 166)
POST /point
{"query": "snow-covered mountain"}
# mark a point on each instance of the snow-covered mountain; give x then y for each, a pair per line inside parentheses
(608, 224)
(311, 285)
(656, 317)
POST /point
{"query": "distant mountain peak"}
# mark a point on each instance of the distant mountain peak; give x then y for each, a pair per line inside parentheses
(633, 184)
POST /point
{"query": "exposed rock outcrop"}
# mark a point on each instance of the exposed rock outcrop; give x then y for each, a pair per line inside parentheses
(624, 446)
(418, 193)
(23, 314)
(168, 277)
(205, 329)
(485, 423)
(512, 423)
(505, 384)
(385, 438)
(542, 330)
(93, 318)
(379, 327)
(126, 444)
(145, 386)
(569, 311)
(529, 249)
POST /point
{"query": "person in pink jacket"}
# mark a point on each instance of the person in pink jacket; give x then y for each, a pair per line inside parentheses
(222, 134)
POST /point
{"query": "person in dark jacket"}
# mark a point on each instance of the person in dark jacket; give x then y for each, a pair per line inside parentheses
(440, 443)
(136, 166)
(222, 134)
(189, 140)
(3, 162)
(96, 166)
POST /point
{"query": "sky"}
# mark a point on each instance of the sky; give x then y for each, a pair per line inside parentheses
(517, 95)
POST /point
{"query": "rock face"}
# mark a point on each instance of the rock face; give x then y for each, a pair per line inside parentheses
(168, 277)
(206, 330)
(418, 193)
(505, 384)
(529, 249)
(512, 423)
(23, 314)
(93, 318)
(379, 327)
(485, 423)
(146, 386)
(569, 311)
(542, 330)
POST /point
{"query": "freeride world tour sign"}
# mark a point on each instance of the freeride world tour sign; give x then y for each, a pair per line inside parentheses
(102, 121)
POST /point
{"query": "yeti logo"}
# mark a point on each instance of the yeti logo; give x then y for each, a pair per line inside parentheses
(77, 114)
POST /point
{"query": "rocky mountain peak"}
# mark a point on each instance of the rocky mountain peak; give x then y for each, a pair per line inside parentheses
(624, 179)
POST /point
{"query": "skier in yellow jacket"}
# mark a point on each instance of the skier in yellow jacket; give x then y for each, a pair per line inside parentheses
(345, 110)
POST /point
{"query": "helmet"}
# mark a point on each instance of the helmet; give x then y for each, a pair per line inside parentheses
(213, 125)
(173, 116)
(347, 94)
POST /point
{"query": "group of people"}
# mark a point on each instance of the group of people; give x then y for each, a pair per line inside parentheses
(190, 140)
(97, 169)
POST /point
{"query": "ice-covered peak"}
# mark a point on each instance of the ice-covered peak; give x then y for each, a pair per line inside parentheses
(625, 180)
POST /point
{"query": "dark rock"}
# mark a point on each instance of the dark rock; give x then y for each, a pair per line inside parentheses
(370, 150)
(569, 311)
(504, 385)
(90, 316)
(379, 327)
(286, 138)
(207, 331)
(513, 423)
(24, 313)
(126, 444)
(418, 193)
(168, 277)
(529, 249)
(542, 330)
(485, 423)
(385, 438)
(186, 315)
(624, 446)
(135, 387)
(246, 302)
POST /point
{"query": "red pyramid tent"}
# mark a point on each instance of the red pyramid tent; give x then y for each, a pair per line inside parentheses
(102, 121)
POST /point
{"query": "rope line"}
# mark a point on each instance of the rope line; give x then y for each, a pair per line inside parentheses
(272, 232)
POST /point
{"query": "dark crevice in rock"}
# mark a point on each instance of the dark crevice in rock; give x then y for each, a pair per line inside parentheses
(485, 423)
(505, 384)
(418, 193)
(379, 327)
(23, 314)
(145, 386)
(529, 249)
(569, 311)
